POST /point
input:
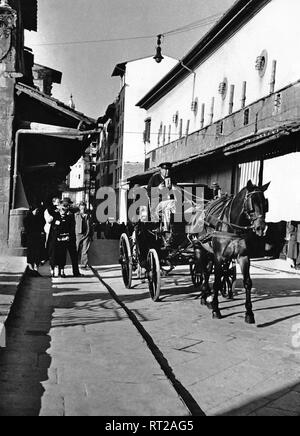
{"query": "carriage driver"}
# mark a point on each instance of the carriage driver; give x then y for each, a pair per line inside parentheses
(164, 200)
(161, 181)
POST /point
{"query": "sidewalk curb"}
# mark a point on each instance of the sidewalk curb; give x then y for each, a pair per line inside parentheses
(3, 324)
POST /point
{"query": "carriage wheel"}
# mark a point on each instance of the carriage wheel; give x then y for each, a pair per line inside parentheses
(226, 286)
(126, 260)
(154, 275)
(228, 281)
(233, 277)
(197, 277)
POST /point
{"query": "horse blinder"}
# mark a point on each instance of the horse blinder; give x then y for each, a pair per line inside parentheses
(267, 207)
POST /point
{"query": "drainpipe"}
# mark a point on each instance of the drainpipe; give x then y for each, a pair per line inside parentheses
(66, 134)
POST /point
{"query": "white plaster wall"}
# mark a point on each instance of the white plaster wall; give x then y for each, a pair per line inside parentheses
(276, 29)
(77, 174)
(141, 76)
(283, 172)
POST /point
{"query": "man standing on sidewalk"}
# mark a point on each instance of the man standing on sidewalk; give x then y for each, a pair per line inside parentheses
(84, 233)
(71, 245)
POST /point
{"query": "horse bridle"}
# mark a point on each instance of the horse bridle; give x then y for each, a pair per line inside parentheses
(250, 213)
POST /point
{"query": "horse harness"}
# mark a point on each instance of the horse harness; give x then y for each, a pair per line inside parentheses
(248, 210)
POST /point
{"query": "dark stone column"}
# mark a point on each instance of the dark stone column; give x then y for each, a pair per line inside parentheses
(7, 106)
(6, 143)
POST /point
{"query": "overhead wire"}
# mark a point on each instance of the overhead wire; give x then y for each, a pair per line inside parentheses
(189, 27)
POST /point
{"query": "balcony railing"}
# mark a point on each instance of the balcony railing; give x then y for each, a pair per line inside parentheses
(273, 111)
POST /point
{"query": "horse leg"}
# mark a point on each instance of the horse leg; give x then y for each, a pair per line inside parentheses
(244, 263)
(198, 260)
(217, 286)
(206, 272)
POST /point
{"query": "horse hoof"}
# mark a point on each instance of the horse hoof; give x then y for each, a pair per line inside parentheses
(217, 315)
(249, 319)
(210, 299)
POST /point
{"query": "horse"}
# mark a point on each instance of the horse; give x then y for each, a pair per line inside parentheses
(230, 225)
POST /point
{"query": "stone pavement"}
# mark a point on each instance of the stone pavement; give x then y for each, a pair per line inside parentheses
(279, 265)
(11, 273)
(229, 367)
(72, 351)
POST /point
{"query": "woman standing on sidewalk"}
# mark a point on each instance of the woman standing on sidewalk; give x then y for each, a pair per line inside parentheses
(59, 239)
(34, 227)
(84, 233)
(293, 251)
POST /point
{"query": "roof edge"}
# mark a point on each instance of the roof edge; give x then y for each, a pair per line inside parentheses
(54, 103)
(235, 17)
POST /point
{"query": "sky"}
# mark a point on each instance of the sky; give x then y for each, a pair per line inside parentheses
(87, 66)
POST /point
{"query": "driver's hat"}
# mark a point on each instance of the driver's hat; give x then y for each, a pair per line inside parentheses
(166, 165)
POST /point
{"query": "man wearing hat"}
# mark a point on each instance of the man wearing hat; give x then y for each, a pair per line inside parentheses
(71, 246)
(160, 184)
(160, 179)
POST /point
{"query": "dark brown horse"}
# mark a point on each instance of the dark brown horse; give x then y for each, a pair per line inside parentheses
(230, 230)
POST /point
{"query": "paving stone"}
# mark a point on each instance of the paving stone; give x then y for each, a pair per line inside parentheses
(270, 411)
(83, 356)
(240, 411)
(288, 402)
(240, 367)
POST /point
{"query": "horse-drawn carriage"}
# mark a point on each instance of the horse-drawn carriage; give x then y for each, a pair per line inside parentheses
(233, 228)
(149, 247)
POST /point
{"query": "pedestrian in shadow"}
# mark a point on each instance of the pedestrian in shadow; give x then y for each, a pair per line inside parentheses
(34, 224)
(62, 227)
(84, 234)
(71, 246)
(292, 254)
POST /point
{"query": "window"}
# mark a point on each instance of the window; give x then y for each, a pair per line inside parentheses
(110, 179)
(277, 103)
(147, 137)
(219, 129)
(246, 116)
(154, 156)
(159, 134)
(180, 128)
(169, 133)
(164, 135)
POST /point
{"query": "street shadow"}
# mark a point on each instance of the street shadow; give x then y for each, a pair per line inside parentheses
(77, 307)
(267, 290)
(188, 292)
(9, 283)
(276, 403)
(7, 274)
(24, 363)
